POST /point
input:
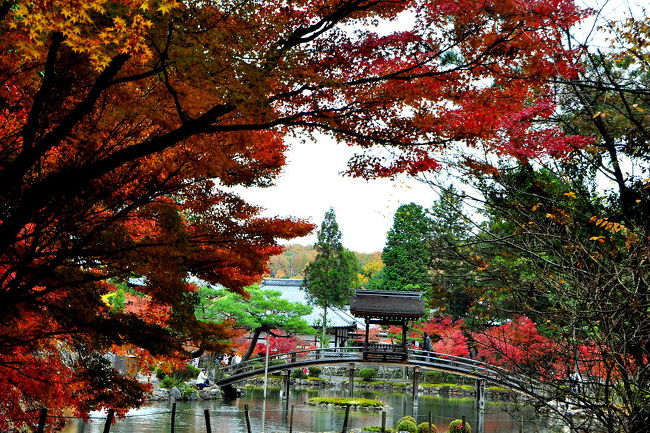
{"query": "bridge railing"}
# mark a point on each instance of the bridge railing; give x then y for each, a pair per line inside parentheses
(292, 358)
(423, 358)
(475, 367)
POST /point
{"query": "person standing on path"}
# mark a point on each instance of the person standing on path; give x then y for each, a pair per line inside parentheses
(427, 345)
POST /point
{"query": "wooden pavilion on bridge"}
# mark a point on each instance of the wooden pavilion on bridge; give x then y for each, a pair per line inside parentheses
(383, 307)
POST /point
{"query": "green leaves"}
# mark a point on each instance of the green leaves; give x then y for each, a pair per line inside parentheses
(263, 309)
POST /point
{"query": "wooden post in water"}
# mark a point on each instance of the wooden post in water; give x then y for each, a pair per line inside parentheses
(247, 417)
(430, 422)
(109, 420)
(462, 424)
(351, 381)
(345, 420)
(208, 428)
(416, 384)
(291, 420)
(173, 417)
(383, 421)
(41, 420)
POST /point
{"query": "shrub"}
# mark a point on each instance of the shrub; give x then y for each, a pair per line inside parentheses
(160, 374)
(314, 371)
(407, 418)
(167, 382)
(425, 427)
(407, 425)
(298, 374)
(377, 428)
(455, 427)
(367, 374)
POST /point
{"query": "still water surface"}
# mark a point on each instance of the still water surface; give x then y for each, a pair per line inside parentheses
(271, 417)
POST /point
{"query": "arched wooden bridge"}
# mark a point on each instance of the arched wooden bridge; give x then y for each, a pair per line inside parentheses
(384, 354)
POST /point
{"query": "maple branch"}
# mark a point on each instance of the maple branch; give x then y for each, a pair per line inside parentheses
(34, 121)
(21, 165)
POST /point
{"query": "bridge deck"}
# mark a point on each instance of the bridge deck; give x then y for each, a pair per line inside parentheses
(423, 359)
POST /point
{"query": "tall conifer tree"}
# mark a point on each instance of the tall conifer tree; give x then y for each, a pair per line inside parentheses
(407, 254)
(330, 277)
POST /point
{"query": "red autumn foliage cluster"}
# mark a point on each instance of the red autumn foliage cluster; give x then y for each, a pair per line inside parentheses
(516, 344)
(124, 125)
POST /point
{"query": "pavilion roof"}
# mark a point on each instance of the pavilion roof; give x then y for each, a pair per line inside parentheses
(387, 305)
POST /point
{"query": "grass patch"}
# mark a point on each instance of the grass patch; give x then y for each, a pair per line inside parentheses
(384, 382)
(318, 379)
(498, 388)
(343, 401)
(450, 385)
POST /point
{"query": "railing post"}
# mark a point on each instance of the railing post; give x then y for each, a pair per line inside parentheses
(416, 384)
(383, 421)
(351, 381)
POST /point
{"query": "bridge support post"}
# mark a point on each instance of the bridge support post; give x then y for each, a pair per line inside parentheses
(286, 380)
(480, 405)
(351, 381)
(480, 421)
(416, 384)
(480, 394)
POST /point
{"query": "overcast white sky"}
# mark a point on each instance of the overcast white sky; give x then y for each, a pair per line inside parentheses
(312, 183)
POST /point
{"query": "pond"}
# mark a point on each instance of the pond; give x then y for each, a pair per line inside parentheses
(271, 416)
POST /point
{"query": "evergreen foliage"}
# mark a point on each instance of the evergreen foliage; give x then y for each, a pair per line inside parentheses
(330, 278)
(407, 255)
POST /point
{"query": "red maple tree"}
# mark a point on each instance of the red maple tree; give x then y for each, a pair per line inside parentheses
(516, 345)
(125, 124)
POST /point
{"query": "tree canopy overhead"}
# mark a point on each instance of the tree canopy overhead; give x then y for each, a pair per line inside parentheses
(124, 122)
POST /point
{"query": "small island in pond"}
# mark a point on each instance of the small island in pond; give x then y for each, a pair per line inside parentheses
(354, 403)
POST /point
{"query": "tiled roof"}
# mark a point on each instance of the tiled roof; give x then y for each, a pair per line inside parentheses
(387, 304)
(292, 290)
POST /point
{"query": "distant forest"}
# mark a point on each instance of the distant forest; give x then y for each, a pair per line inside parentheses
(292, 263)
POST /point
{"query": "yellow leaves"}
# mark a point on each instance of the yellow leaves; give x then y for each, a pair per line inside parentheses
(535, 207)
(600, 239)
(570, 194)
(105, 298)
(167, 5)
(637, 108)
(99, 29)
(608, 225)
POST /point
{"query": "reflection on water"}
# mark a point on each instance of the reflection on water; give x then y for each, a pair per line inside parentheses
(229, 416)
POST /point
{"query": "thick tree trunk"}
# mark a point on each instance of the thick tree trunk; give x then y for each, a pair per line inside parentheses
(324, 333)
(251, 348)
